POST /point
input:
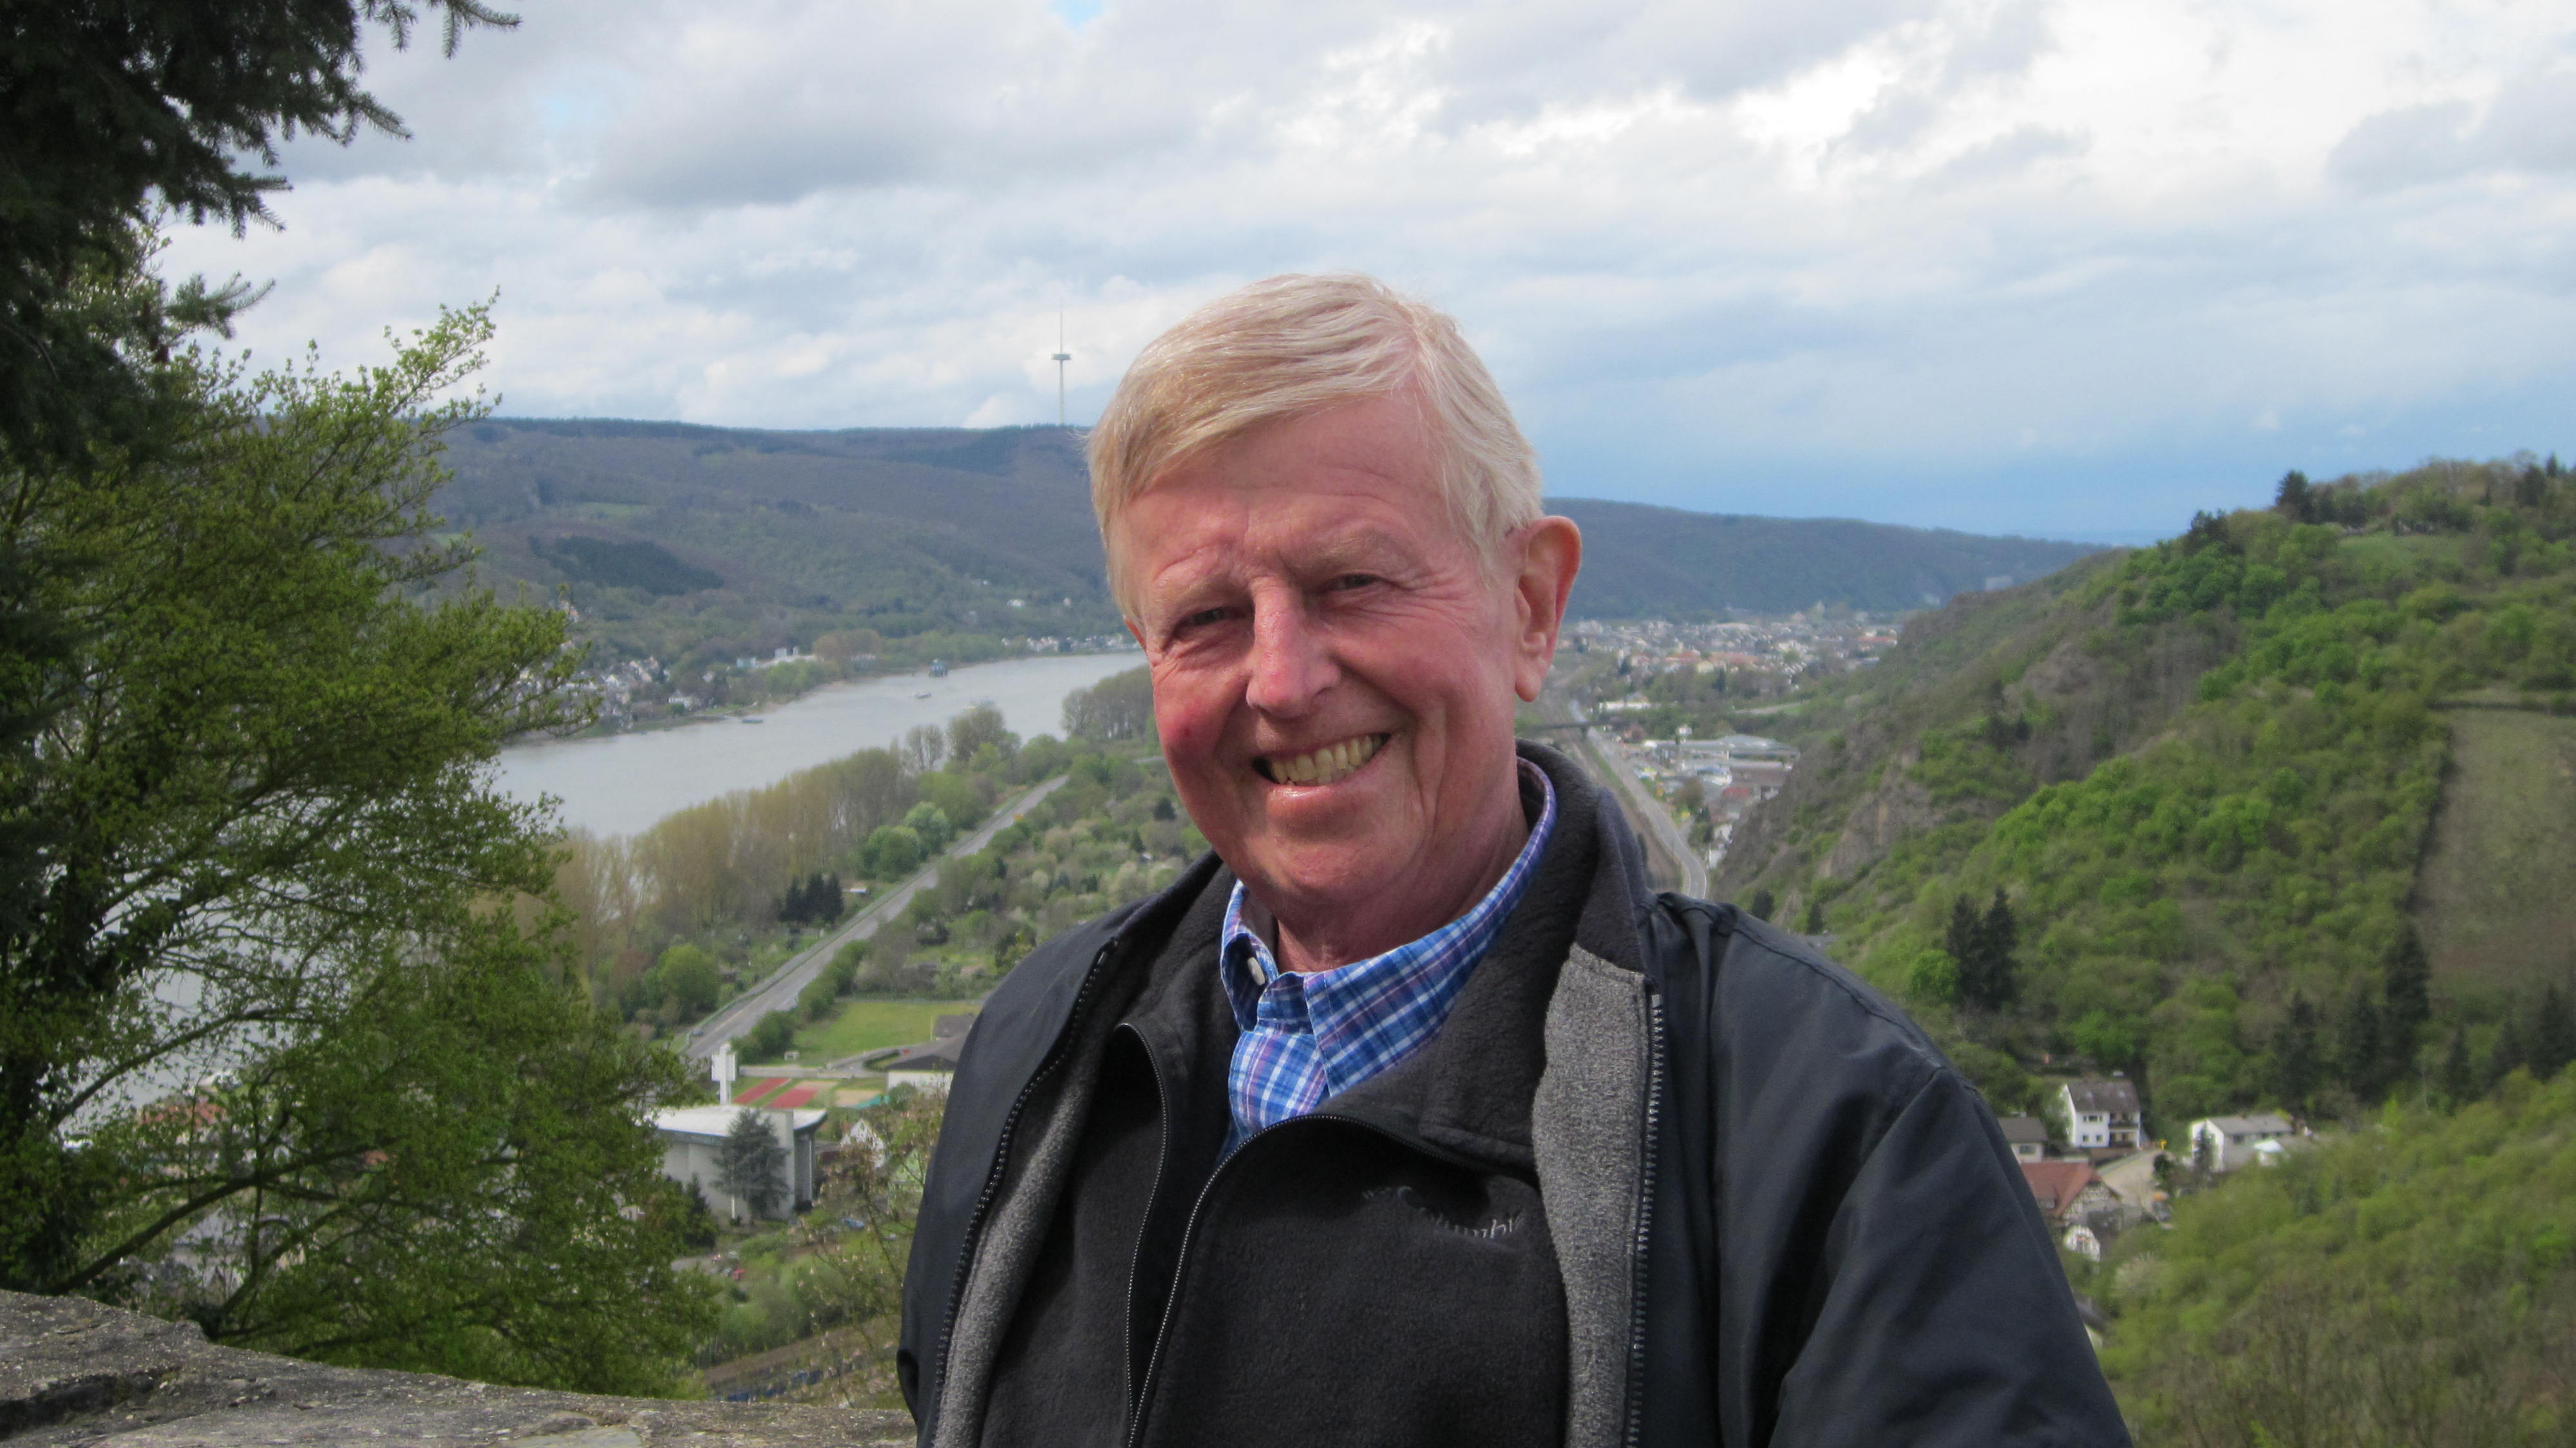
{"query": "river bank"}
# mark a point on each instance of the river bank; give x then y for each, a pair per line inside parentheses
(624, 783)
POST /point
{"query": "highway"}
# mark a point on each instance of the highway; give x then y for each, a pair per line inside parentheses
(779, 992)
(1663, 836)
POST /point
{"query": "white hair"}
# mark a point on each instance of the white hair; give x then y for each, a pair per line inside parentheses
(1294, 345)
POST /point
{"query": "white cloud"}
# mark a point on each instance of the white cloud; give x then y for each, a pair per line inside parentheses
(1915, 254)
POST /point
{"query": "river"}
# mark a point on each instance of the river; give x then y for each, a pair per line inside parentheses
(620, 784)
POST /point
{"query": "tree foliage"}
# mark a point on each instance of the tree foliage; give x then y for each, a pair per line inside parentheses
(1980, 946)
(858, 1241)
(2215, 819)
(751, 1165)
(814, 900)
(267, 855)
(768, 1038)
(109, 109)
(2414, 1283)
(1118, 707)
(441, 1181)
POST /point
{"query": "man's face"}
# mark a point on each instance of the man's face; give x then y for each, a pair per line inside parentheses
(1334, 667)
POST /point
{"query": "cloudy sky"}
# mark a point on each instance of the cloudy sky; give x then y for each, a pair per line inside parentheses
(2062, 267)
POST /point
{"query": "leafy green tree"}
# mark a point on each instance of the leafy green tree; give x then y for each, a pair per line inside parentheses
(437, 1172)
(769, 1038)
(2406, 982)
(1761, 903)
(2295, 1062)
(2294, 500)
(979, 728)
(697, 1219)
(932, 824)
(1998, 937)
(1118, 707)
(1933, 978)
(2506, 1056)
(2459, 1079)
(1964, 937)
(2553, 1034)
(266, 848)
(891, 851)
(843, 972)
(813, 900)
(263, 760)
(751, 1164)
(688, 978)
(2363, 1043)
(819, 997)
(1815, 922)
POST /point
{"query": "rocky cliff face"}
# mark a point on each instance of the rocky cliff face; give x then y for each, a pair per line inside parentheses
(74, 1372)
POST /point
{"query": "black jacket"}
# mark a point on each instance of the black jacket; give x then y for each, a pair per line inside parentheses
(1773, 1213)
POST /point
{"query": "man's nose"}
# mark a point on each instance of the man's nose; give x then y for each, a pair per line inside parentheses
(1292, 662)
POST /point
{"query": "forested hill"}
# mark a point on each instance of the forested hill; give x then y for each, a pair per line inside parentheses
(1649, 562)
(674, 537)
(2234, 792)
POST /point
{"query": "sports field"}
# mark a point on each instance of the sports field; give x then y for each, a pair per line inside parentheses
(871, 1025)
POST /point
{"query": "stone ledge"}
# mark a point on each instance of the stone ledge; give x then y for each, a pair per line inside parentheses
(74, 1372)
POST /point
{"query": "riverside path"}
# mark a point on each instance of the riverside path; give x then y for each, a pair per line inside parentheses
(779, 992)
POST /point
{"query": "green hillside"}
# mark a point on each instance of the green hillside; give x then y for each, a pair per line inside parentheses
(698, 544)
(2205, 779)
(2413, 1284)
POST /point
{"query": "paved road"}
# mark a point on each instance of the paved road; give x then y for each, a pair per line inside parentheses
(779, 992)
(1642, 807)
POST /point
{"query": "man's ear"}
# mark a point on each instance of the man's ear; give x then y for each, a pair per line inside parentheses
(1550, 552)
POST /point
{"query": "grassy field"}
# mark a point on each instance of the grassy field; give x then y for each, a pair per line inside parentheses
(2497, 898)
(868, 1025)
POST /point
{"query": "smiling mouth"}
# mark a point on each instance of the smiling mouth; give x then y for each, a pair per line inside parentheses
(1328, 765)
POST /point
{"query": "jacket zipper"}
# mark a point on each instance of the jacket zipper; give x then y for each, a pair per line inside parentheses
(1189, 1232)
(1645, 1217)
(1136, 1260)
(1001, 1161)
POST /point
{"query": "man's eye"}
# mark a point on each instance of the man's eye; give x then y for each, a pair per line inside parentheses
(1202, 618)
(1350, 581)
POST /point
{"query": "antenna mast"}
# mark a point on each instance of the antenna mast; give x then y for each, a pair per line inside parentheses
(1061, 357)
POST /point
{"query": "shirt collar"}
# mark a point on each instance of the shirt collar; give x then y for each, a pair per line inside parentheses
(1341, 1004)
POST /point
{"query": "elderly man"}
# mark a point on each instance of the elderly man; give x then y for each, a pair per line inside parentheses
(1410, 1115)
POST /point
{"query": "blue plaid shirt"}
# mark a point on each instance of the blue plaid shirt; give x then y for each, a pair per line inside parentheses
(1306, 1037)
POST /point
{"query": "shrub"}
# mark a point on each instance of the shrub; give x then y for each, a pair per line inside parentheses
(768, 1040)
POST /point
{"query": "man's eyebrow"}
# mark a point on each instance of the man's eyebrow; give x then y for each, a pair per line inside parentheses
(1358, 548)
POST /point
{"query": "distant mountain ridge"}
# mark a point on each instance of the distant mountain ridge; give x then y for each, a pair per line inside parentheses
(675, 537)
(1641, 561)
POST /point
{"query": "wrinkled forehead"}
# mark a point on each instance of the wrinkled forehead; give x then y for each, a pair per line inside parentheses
(1307, 489)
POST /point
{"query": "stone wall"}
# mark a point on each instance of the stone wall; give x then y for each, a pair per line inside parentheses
(73, 1372)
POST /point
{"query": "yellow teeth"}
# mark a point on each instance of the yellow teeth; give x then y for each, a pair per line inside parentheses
(1327, 765)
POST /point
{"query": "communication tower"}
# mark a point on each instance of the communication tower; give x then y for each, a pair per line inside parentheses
(1061, 357)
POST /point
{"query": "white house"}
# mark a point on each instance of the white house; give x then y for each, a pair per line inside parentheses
(693, 1144)
(2100, 1113)
(2228, 1142)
